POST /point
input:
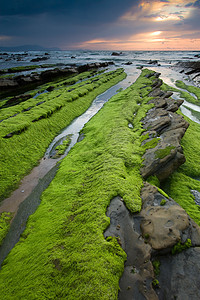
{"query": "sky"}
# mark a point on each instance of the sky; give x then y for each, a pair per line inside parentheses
(101, 24)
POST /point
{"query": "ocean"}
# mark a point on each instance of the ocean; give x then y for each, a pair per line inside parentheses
(165, 60)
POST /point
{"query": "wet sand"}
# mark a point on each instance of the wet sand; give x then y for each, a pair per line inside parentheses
(29, 182)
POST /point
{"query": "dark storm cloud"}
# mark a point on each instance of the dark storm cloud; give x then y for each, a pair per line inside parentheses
(197, 3)
(189, 4)
(84, 10)
(53, 21)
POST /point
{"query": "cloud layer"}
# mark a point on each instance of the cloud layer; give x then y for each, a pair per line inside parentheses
(102, 24)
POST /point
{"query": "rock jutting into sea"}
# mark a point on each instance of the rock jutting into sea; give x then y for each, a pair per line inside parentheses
(11, 84)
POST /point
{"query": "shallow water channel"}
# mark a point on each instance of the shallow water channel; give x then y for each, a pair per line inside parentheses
(24, 201)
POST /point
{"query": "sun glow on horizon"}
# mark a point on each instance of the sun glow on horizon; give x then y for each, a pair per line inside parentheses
(156, 26)
(156, 33)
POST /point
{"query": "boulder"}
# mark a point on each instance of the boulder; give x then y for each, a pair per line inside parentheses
(116, 53)
(37, 59)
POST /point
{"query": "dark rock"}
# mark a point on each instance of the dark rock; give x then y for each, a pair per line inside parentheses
(153, 62)
(50, 88)
(179, 275)
(159, 102)
(39, 59)
(116, 53)
(156, 92)
(8, 135)
(39, 103)
(157, 120)
(128, 63)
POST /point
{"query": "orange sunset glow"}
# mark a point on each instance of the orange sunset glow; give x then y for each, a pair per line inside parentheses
(156, 25)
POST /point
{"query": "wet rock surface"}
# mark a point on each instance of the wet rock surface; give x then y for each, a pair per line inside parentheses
(138, 272)
(150, 235)
(168, 128)
(179, 276)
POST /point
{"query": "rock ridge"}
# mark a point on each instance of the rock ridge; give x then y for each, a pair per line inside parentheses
(164, 128)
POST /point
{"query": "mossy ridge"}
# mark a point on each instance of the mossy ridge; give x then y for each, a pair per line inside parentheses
(61, 87)
(190, 88)
(60, 149)
(183, 94)
(21, 121)
(181, 182)
(20, 153)
(5, 219)
(63, 253)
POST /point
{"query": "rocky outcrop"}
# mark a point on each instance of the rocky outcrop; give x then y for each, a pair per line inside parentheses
(9, 85)
(39, 59)
(116, 53)
(165, 128)
(190, 68)
(150, 236)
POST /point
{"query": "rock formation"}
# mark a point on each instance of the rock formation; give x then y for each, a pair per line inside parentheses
(9, 85)
(189, 68)
(165, 128)
(150, 236)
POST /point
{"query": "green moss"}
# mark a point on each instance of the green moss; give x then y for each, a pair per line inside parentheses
(63, 253)
(161, 153)
(156, 267)
(155, 283)
(62, 148)
(152, 143)
(36, 128)
(166, 87)
(163, 193)
(163, 202)
(23, 68)
(179, 247)
(190, 88)
(5, 219)
(119, 90)
(153, 180)
(186, 178)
